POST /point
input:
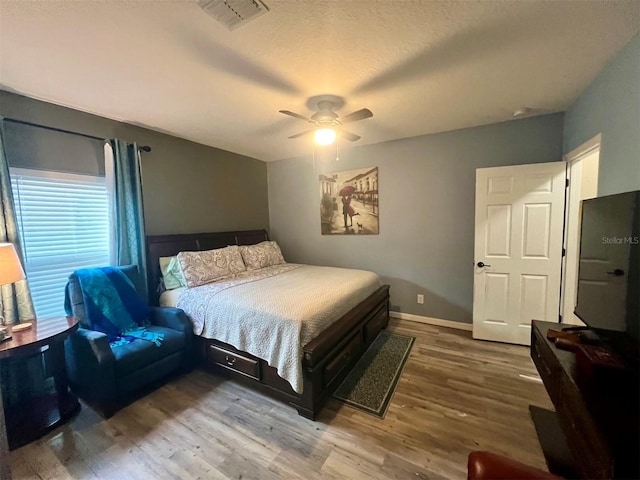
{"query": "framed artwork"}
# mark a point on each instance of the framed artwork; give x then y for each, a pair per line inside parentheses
(349, 202)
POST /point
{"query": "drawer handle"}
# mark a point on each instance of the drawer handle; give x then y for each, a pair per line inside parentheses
(230, 360)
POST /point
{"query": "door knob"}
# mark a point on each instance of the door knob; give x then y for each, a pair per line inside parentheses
(482, 264)
(616, 273)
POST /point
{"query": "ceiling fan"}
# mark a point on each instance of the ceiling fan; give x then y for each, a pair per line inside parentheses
(327, 122)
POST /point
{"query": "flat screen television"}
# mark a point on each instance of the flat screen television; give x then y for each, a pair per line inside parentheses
(609, 272)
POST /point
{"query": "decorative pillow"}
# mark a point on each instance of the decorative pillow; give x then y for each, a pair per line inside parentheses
(200, 268)
(261, 255)
(172, 276)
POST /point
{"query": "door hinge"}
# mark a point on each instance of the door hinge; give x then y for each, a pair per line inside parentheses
(564, 252)
(566, 182)
(560, 318)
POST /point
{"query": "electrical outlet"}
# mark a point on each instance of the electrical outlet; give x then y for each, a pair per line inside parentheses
(420, 299)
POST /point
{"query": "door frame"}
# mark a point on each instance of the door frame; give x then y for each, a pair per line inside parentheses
(571, 234)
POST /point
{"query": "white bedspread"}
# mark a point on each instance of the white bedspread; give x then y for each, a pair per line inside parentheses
(169, 298)
(273, 312)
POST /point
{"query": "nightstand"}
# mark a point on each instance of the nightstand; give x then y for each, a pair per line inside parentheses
(38, 414)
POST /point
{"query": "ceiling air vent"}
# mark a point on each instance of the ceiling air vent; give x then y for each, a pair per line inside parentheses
(233, 13)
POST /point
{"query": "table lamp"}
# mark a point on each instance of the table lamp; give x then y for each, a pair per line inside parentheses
(10, 272)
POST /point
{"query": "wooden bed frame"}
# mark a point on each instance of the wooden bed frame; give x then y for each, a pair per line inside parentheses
(326, 359)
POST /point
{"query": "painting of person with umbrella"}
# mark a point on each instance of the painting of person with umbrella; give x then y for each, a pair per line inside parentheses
(358, 192)
(347, 210)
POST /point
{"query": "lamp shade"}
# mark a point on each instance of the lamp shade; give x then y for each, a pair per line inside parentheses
(10, 267)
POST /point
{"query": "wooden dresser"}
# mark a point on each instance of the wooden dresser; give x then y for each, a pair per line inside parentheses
(598, 422)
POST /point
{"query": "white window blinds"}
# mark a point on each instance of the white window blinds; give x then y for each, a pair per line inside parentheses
(63, 221)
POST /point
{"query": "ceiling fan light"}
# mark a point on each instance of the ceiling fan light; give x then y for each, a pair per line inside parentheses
(325, 136)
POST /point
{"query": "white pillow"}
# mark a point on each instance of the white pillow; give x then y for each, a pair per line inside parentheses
(204, 267)
(262, 255)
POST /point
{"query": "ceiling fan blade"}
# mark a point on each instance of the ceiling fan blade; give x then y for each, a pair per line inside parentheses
(357, 115)
(301, 134)
(295, 115)
(352, 137)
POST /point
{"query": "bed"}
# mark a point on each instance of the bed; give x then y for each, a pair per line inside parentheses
(327, 355)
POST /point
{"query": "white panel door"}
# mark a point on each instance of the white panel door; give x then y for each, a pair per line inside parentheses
(518, 249)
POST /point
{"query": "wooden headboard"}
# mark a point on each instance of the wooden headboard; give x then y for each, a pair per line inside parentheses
(169, 245)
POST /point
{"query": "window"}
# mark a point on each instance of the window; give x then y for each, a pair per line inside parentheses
(64, 225)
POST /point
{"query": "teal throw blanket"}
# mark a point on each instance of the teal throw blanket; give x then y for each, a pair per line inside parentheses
(113, 306)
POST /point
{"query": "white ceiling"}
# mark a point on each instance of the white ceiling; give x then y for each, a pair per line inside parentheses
(421, 67)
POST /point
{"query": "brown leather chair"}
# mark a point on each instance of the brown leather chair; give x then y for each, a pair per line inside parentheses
(489, 466)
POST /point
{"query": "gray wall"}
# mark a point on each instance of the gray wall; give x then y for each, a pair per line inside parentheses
(187, 187)
(427, 196)
(611, 106)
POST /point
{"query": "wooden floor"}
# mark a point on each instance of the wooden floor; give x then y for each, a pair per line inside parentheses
(455, 395)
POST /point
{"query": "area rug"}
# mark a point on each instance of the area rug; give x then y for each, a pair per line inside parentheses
(371, 383)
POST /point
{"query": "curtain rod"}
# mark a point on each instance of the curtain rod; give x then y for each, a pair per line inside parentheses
(144, 148)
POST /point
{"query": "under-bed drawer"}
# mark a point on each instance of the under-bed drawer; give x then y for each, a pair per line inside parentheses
(342, 359)
(233, 361)
(377, 323)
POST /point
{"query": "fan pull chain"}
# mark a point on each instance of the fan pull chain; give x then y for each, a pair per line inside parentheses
(337, 156)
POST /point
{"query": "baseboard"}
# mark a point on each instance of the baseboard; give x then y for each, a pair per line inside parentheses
(431, 321)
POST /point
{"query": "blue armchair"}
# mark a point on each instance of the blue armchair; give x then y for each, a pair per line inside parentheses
(106, 376)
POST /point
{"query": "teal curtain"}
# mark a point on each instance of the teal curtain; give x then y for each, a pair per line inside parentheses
(24, 376)
(128, 211)
(15, 301)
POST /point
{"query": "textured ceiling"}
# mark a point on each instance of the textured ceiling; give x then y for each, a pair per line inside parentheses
(421, 67)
